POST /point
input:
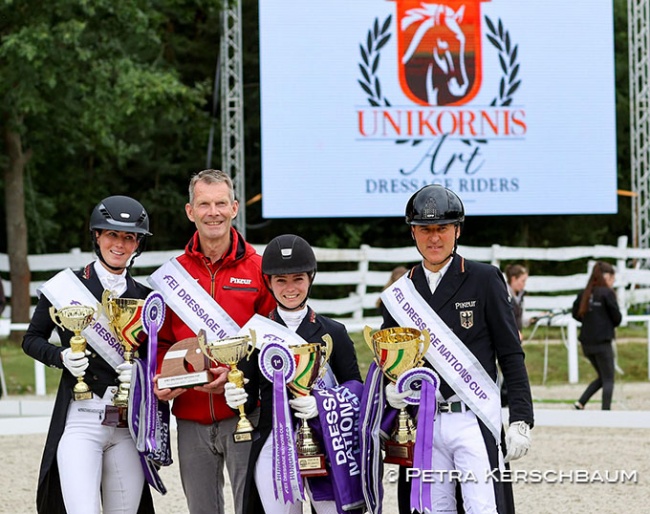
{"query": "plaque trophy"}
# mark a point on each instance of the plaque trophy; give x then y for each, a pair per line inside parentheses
(311, 360)
(175, 370)
(75, 318)
(230, 351)
(125, 318)
(397, 350)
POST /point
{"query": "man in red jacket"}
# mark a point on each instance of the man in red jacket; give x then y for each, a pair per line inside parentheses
(229, 270)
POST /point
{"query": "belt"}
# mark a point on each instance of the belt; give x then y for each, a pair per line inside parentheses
(452, 407)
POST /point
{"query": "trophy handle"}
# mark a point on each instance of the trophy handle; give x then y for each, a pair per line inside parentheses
(368, 337)
(425, 346)
(252, 345)
(203, 342)
(107, 303)
(329, 346)
(54, 314)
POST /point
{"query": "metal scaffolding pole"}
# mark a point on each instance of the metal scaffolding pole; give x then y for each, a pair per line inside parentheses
(232, 106)
(639, 62)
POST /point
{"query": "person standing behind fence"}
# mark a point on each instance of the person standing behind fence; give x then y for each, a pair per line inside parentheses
(597, 309)
(88, 463)
(516, 276)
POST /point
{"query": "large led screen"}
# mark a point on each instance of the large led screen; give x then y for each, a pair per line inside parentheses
(507, 102)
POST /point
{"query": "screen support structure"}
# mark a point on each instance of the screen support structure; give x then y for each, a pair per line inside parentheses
(639, 62)
(232, 106)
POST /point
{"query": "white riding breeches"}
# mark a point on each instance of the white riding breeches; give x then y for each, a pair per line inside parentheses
(459, 453)
(93, 458)
(264, 483)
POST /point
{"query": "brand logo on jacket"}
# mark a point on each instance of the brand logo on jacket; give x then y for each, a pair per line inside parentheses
(240, 281)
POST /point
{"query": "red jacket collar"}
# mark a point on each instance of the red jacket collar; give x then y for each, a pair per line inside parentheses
(236, 251)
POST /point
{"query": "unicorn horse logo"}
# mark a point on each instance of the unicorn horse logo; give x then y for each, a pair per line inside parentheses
(440, 51)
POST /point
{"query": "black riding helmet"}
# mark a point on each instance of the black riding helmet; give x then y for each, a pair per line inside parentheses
(123, 214)
(434, 205)
(287, 254)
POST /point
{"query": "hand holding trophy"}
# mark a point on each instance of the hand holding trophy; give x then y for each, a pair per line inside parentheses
(397, 351)
(75, 318)
(230, 351)
(125, 318)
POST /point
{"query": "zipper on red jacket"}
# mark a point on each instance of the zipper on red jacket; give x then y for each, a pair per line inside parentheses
(212, 293)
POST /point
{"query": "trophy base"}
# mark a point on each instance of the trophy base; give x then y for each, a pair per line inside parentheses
(188, 380)
(116, 417)
(399, 453)
(244, 430)
(123, 419)
(312, 465)
(242, 437)
(82, 395)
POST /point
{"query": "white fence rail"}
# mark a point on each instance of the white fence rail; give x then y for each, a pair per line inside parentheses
(365, 270)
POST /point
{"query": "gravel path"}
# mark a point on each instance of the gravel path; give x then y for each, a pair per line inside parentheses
(586, 470)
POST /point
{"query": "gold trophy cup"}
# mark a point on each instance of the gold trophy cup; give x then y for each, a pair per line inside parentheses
(395, 351)
(230, 351)
(125, 318)
(311, 360)
(75, 318)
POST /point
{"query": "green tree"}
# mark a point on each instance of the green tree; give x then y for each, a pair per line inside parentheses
(84, 91)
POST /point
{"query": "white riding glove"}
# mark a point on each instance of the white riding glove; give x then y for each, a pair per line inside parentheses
(124, 372)
(75, 362)
(235, 396)
(304, 407)
(517, 440)
(395, 399)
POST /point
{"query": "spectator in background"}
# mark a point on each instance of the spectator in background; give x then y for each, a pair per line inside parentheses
(597, 309)
(516, 276)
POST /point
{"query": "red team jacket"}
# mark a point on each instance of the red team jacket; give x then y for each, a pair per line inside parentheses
(236, 283)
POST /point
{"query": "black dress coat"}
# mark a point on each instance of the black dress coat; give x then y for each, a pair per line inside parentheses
(493, 335)
(342, 362)
(99, 376)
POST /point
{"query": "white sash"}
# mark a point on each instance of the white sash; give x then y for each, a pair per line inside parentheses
(268, 331)
(191, 302)
(65, 289)
(447, 353)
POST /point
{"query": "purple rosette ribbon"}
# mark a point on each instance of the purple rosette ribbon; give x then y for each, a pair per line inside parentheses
(153, 315)
(423, 383)
(278, 366)
(148, 417)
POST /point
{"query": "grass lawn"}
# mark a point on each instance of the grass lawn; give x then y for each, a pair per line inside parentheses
(632, 358)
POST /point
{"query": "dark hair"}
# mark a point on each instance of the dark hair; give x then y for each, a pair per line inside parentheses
(596, 279)
(515, 271)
